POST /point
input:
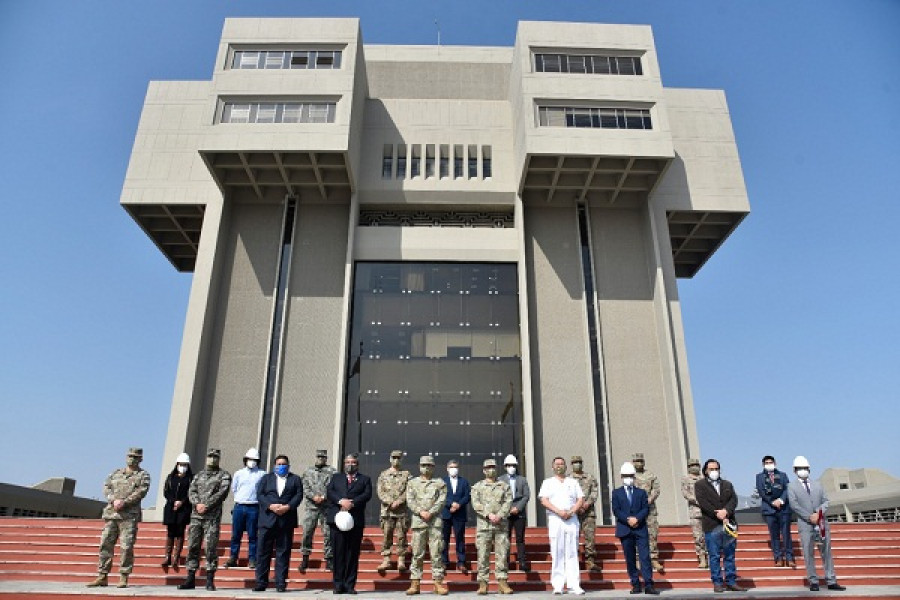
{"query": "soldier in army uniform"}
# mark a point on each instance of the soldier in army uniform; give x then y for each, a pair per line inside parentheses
(124, 489)
(209, 488)
(315, 481)
(425, 497)
(587, 514)
(648, 482)
(394, 516)
(491, 500)
(687, 490)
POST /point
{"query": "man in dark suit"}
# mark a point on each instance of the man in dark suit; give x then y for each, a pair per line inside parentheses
(631, 507)
(279, 494)
(454, 515)
(348, 492)
(717, 501)
(772, 486)
(517, 517)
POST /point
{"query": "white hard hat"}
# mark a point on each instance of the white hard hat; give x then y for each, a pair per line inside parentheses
(510, 460)
(183, 458)
(627, 469)
(344, 520)
(252, 454)
(801, 461)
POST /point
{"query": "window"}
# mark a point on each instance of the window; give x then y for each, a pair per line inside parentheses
(445, 161)
(401, 161)
(486, 169)
(473, 162)
(278, 112)
(387, 162)
(286, 59)
(429, 160)
(415, 164)
(457, 161)
(594, 117)
(601, 64)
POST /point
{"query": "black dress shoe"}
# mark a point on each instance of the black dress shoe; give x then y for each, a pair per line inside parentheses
(718, 588)
(636, 589)
(651, 590)
(280, 588)
(351, 592)
(814, 587)
(338, 591)
(836, 587)
(735, 588)
(259, 587)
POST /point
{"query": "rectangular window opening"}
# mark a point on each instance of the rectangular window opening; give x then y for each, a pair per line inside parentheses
(387, 162)
(429, 161)
(444, 161)
(473, 162)
(486, 168)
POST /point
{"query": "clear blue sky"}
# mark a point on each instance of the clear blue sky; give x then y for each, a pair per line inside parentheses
(792, 327)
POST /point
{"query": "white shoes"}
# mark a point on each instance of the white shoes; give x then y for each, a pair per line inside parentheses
(578, 592)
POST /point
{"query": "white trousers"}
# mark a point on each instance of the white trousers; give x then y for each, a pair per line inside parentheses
(564, 552)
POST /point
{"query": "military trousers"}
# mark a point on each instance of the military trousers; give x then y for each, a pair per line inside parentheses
(390, 524)
(125, 531)
(205, 531)
(653, 533)
(432, 538)
(588, 522)
(311, 518)
(498, 541)
(699, 536)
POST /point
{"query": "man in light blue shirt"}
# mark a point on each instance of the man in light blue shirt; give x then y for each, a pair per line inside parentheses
(246, 508)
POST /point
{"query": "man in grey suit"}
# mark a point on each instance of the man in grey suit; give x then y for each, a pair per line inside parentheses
(808, 501)
(521, 494)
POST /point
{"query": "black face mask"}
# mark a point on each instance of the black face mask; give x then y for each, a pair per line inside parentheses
(351, 469)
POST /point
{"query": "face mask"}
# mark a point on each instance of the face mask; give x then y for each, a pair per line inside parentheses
(713, 475)
(182, 469)
(452, 471)
(320, 461)
(395, 462)
(426, 470)
(511, 470)
(251, 464)
(212, 462)
(281, 470)
(694, 470)
(769, 467)
(802, 473)
(560, 470)
(577, 467)
(132, 461)
(490, 472)
(351, 469)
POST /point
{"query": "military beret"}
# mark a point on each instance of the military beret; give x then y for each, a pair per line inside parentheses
(397, 454)
(214, 452)
(576, 458)
(138, 452)
(426, 460)
(489, 462)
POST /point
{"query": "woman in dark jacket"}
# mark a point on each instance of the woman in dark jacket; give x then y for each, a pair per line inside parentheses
(177, 512)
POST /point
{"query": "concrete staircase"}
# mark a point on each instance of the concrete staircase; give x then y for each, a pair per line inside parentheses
(65, 550)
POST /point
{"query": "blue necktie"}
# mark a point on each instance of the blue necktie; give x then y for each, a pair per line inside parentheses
(628, 491)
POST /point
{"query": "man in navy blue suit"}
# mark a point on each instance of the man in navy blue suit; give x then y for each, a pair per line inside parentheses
(279, 494)
(348, 492)
(630, 507)
(454, 515)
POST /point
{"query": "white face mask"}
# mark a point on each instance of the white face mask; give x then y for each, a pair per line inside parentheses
(802, 473)
(714, 475)
(629, 481)
(452, 471)
(769, 467)
(511, 470)
(251, 464)
(182, 469)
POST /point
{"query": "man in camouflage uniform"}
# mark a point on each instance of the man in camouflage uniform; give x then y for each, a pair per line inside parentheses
(124, 489)
(687, 490)
(208, 491)
(315, 480)
(648, 482)
(587, 515)
(425, 497)
(491, 500)
(394, 517)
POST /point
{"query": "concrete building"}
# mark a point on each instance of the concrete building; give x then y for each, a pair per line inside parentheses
(860, 495)
(53, 497)
(458, 251)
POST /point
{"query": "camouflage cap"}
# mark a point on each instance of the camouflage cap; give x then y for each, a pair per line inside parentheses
(426, 460)
(637, 456)
(138, 452)
(576, 458)
(397, 454)
(214, 452)
(693, 462)
(488, 462)
(322, 453)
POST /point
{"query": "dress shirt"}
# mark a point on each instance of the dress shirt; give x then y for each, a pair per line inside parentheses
(243, 485)
(453, 483)
(512, 485)
(561, 494)
(280, 482)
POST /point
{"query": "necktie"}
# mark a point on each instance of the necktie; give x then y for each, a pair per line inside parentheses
(628, 492)
(806, 483)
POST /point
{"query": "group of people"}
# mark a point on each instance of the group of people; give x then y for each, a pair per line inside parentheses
(434, 508)
(712, 502)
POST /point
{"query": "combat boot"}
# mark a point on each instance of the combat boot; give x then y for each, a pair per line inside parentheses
(440, 588)
(590, 565)
(304, 564)
(101, 581)
(413, 588)
(123, 580)
(210, 584)
(482, 588)
(504, 587)
(401, 563)
(189, 583)
(657, 566)
(703, 561)
(384, 566)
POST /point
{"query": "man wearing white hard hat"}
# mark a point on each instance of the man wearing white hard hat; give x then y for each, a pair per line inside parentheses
(808, 501)
(521, 494)
(347, 493)
(245, 513)
(280, 493)
(631, 508)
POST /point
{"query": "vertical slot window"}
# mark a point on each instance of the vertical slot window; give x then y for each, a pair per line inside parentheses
(429, 161)
(401, 161)
(457, 161)
(487, 169)
(387, 161)
(415, 165)
(473, 162)
(445, 161)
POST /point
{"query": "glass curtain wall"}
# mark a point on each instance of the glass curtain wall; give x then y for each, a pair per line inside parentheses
(434, 366)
